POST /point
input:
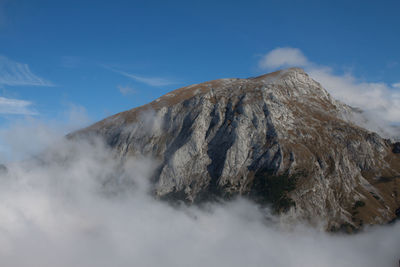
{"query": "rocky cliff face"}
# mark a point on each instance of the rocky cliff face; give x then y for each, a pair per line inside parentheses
(279, 138)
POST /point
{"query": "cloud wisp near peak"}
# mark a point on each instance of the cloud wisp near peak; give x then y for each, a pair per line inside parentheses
(378, 100)
(151, 81)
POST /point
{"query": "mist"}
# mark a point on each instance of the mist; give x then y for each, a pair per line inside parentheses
(76, 203)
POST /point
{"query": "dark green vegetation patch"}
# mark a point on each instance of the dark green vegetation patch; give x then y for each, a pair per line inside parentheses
(273, 189)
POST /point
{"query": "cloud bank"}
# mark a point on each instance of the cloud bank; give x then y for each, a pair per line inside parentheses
(379, 101)
(19, 74)
(78, 205)
(28, 136)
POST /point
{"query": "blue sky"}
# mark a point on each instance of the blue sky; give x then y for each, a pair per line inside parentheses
(109, 56)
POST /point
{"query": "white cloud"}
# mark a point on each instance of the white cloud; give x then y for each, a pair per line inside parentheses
(152, 81)
(16, 106)
(77, 205)
(28, 136)
(19, 74)
(377, 98)
(379, 101)
(283, 57)
(126, 90)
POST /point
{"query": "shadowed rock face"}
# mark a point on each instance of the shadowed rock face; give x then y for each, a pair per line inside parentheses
(279, 138)
(396, 148)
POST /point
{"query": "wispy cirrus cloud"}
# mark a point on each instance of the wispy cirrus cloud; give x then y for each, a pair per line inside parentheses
(13, 73)
(152, 81)
(16, 107)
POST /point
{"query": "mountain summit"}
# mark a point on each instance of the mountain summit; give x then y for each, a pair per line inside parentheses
(279, 139)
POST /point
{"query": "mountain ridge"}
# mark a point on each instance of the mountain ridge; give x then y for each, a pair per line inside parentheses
(279, 138)
(186, 92)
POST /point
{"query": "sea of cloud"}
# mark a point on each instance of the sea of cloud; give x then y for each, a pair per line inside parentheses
(77, 204)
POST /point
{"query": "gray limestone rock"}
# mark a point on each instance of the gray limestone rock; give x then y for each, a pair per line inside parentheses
(279, 139)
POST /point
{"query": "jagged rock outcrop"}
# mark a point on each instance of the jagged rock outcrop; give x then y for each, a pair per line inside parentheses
(279, 138)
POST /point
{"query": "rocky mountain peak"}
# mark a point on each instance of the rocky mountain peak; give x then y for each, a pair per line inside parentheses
(290, 73)
(279, 139)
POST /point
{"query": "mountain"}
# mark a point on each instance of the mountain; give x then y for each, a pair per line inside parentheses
(279, 139)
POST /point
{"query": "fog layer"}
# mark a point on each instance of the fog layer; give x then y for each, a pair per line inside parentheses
(78, 205)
